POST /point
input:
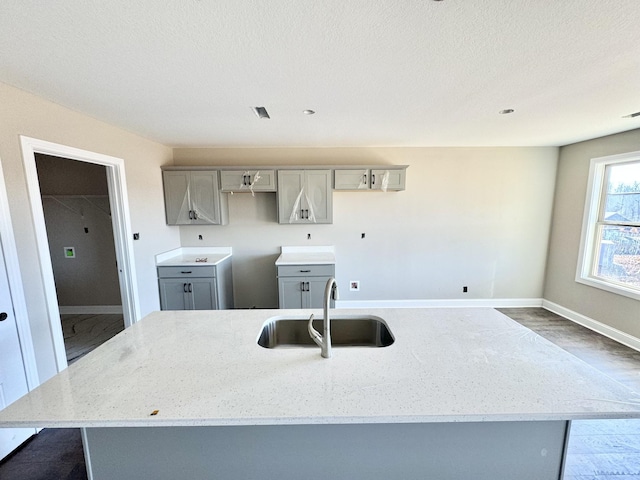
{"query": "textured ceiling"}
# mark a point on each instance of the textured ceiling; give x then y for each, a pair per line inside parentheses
(378, 73)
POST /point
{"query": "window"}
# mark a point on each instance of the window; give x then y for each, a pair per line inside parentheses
(610, 246)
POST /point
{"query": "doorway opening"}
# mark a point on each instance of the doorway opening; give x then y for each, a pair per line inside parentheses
(114, 203)
(77, 214)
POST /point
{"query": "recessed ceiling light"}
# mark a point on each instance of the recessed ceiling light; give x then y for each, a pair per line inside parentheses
(506, 111)
(632, 115)
(309, 112)
(260, 112)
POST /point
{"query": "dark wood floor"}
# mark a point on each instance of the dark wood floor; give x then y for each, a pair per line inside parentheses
(598, 449)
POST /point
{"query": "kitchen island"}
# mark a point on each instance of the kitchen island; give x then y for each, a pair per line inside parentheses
(461, 393)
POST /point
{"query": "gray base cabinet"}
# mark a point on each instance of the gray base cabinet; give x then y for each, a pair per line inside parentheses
(302, 286)
(196, 288)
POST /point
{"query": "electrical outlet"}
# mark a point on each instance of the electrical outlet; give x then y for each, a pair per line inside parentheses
(354, 285)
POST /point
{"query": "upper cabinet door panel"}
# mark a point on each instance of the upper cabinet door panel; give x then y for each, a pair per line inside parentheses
(290, 185)
(176, 197)
(318, 195)
(351, 179)
(388, 179)
(205, 199)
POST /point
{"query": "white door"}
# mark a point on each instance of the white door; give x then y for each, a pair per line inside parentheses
(13, 379)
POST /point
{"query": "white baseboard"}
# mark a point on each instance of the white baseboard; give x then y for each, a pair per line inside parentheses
(599, 327)
(443, 303)
(91, 310)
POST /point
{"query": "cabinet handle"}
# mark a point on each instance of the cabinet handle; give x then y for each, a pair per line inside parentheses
(3, 316)
(195, 215)
(302, 287)
(305, 271)
(190, 289)
(185, 273)
(364, 179)
(307, 286)
(373, 179)
(184, 287)
(190, 214)
(244, 180)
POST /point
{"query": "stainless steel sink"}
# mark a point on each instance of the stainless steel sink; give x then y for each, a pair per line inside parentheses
(346, 331)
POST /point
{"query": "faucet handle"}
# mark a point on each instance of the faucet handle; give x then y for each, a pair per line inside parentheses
(334, 292)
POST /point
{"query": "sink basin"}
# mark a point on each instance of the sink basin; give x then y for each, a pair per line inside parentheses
(346, 331)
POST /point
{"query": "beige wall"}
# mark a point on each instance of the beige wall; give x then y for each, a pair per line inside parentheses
(469, 216)
(613, 310)
(26, 114)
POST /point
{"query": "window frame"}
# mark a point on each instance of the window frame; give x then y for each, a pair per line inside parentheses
(591, 224)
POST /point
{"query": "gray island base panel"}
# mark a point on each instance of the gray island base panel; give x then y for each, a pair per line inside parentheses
(479, 451)
(468, 385)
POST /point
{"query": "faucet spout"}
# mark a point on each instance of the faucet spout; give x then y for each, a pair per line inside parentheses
(324, 340)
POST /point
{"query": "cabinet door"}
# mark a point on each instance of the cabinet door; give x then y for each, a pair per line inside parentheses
(205, 198)
(248, 180)
(291, 292)
(388, 179)
(290, 193)
(319, 196)
(176, 197)
(351, 179)
(315, 296)
(203, 294)
(173, 294)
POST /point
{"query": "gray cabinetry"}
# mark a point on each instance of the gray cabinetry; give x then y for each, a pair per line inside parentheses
(304, 196)
(392, 179)
(302, 286)
(192, 197)
(248, 180)
(196, 287)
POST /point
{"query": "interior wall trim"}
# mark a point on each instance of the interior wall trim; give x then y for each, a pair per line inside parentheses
(443, 303)
(599, 327)
(91, 310)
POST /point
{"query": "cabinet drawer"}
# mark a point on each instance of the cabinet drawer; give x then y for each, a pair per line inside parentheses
(306, 270)
(187, 272)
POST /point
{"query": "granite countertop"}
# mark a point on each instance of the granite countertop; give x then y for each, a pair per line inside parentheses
(312, 255)
(205, 368)
(191, 256)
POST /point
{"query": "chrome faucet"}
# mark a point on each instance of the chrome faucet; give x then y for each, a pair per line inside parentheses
(324, 340)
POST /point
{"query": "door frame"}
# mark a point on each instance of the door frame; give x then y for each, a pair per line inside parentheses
(119, 204)
(8, 246)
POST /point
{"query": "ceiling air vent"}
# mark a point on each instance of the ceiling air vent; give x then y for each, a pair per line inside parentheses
(260, 112)
(632, 115)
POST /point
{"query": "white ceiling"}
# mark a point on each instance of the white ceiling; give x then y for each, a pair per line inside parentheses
(377, 72)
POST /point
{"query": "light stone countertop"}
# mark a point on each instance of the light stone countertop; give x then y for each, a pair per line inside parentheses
(311, 255)
(192, 256)
(205, 368)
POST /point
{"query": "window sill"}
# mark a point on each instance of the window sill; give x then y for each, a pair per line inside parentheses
(609, 287)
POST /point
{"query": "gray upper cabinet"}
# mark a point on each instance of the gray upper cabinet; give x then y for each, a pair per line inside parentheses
(192, 197)
(304, 196)
(392, 179)
(248, 180)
